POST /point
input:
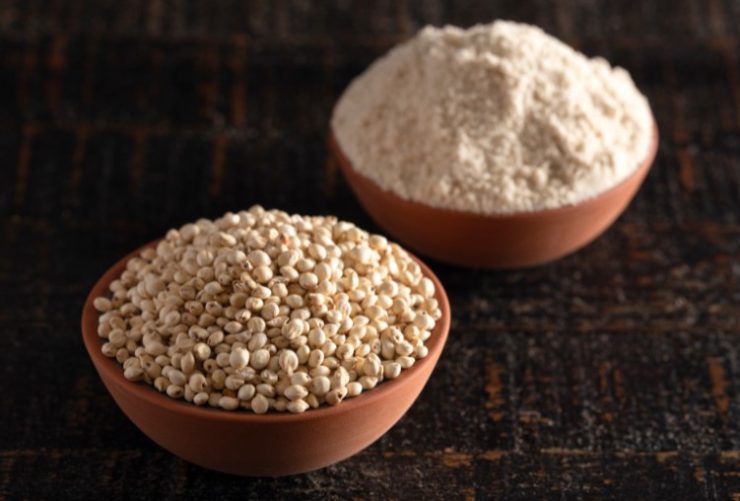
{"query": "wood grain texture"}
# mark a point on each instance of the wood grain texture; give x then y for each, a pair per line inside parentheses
(612, 373)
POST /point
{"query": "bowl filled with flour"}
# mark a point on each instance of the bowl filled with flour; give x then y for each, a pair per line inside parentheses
(496, 146)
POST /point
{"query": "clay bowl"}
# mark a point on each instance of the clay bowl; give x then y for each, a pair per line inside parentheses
(492, 241)
(271, 444)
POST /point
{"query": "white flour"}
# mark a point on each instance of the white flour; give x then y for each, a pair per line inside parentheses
(495, 119)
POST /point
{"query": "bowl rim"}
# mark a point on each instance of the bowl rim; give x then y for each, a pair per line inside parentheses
(112, 372)
(346, 165)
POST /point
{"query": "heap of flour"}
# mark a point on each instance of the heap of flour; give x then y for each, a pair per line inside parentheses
(498, 118)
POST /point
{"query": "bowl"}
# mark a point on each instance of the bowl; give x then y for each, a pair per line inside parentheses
(272, 444)
(492, 240)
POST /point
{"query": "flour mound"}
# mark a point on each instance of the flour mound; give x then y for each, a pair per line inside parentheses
(499, 118)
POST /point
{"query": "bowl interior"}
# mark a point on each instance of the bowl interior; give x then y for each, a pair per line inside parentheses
(112, 372)
(346, 165)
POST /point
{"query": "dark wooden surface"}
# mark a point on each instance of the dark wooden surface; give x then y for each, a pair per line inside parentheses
(612, 373)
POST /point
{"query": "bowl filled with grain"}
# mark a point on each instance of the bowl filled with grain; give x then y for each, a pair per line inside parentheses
(497, 146)
(263, 343)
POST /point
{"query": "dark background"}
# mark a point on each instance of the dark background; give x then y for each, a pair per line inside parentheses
(612, 373)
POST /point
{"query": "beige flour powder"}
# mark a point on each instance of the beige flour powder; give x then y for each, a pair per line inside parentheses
(498, 118)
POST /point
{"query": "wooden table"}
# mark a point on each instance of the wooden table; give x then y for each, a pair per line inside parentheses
(612, 373)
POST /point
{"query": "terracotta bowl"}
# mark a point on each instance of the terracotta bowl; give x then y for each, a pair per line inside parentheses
(492, 241)
(271, 444)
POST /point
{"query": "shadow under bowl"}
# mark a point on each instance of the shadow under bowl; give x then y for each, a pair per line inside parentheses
(272, 444)
(492, 240)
